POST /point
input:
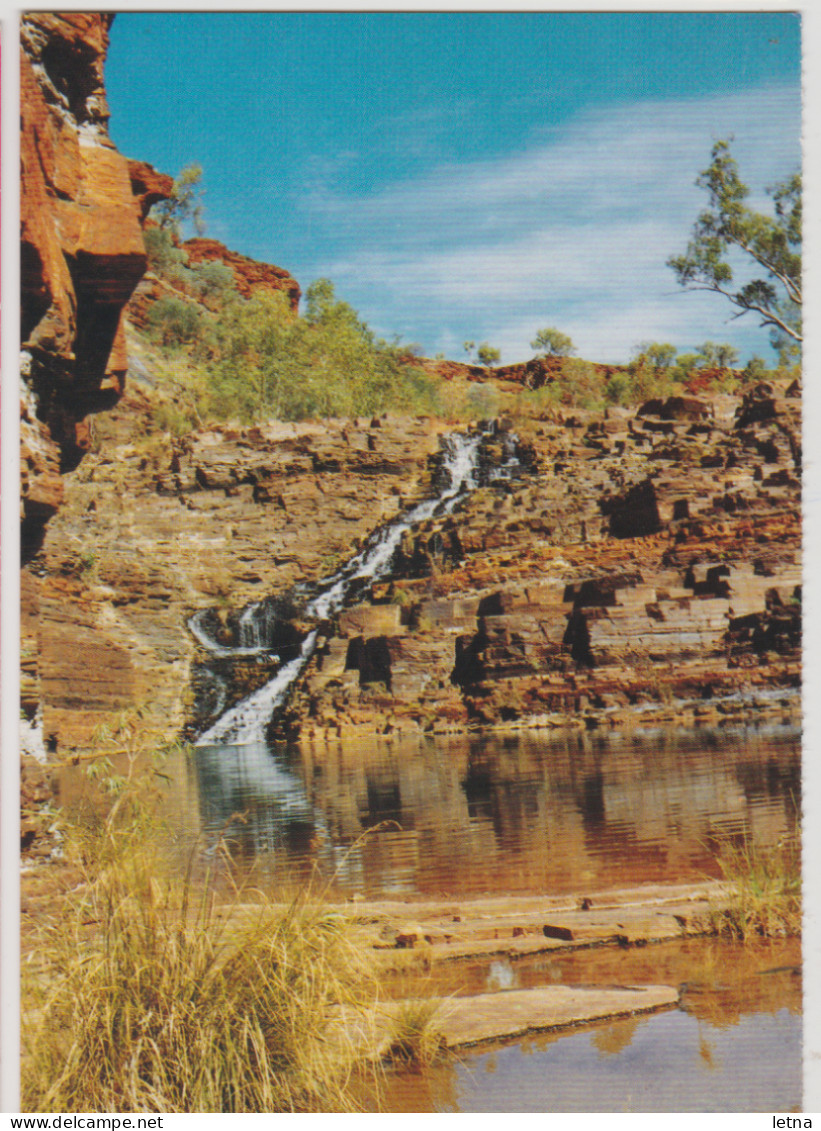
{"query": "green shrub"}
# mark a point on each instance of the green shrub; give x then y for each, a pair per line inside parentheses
(550, 342)
(659, 354)
(482, 402)
(581, 384)
(270, 363)
(685, 364)
(213, 281)
(487, 354)
(163, 254)
(174, 418)
(754, 371)
(416, 392)
(618, 389)
(537, 402)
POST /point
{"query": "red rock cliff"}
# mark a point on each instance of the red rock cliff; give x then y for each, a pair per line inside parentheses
(82, 250)
(249, 275)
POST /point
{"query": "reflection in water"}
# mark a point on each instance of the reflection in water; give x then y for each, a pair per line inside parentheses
(734, 1046)
(522, 813)
(610, 1040)
(500, 976)
(667, 1062)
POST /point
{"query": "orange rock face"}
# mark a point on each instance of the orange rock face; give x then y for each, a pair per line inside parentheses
(249, 275)
(82, 250)
(148, 186)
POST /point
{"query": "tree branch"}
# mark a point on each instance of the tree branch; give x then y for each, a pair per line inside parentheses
(769, 319)
(789, 284)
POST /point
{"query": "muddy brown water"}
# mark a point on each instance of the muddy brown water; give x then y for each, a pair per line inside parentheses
(530, 814)
(675, 1061)
(734, 1044)
(533, 814)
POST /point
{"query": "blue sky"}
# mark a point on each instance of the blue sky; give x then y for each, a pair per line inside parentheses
(469, 175)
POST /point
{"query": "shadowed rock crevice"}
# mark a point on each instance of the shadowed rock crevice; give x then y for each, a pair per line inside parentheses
(634, 513)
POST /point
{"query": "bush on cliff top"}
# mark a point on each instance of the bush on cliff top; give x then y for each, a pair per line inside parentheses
(260, 360)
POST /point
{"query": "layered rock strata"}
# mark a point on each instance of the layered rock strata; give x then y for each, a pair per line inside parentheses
(155, 528)
(646, 568)
(650, 569)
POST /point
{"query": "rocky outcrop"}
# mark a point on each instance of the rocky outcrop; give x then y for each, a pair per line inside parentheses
(154, 528)
(148, 186)
(541, 371)
(82, 251)
(649, 569)
(639, 567)
(531, 374)
(249, 274)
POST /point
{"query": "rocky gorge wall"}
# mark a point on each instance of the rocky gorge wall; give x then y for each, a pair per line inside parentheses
(81, 253)
(646, 565)
(647, 570)
(153, 528)
(644, 568)
(82, 256)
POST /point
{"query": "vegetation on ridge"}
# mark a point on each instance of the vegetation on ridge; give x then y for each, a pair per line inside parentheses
(255, 358)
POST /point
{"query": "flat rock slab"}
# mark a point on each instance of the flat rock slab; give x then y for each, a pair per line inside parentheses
(476, 931)
(515, 1013)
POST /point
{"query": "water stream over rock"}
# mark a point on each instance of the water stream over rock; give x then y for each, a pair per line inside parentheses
(247, 721)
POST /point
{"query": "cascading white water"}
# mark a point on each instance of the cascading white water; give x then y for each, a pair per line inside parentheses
(249, 630)
(246, 722)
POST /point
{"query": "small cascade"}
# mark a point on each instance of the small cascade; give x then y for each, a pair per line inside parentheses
(247, 721)
(250, 635)
(253, 632)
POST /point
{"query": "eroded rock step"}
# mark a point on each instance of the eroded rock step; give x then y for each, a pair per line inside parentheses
(507, 1015)
(534, 606)
(431, 933)
(513, 1014)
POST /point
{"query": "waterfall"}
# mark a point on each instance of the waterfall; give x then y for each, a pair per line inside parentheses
(251, 636)
(247, 721)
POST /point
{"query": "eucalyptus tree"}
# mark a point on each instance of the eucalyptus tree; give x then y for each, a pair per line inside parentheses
(487, 354)
(550, 342)
(771, 244)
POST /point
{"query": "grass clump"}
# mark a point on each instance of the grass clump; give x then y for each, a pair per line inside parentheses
(415, 1037)
(145, 992)
(765, 891)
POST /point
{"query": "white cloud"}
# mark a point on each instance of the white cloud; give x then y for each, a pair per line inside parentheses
(574, 231)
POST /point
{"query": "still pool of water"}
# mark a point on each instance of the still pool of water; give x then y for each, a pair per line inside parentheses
(668, 1062)
(517, 813)
(535, 813)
